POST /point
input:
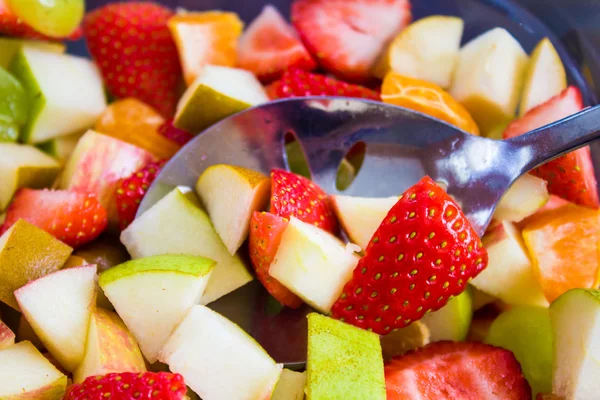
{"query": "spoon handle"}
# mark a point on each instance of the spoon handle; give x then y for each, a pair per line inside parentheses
(544, 144)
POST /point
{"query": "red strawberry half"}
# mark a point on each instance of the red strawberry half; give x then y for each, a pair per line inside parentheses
(265, 235)
(298, 83)
(74, 218)
(570, 176)
(423, 253)
(347, 36)
(131, 191)
(137, 57)
(270, 45)
(13, 26)
(295, 196)
(168, 130)
(461, 370)
(129, 386)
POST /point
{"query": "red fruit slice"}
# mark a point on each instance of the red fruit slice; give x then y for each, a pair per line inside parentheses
(168, 130)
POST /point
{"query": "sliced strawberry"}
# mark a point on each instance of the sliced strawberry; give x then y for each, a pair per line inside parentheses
(74, 218)
(570, 176)
(298, 83)
(265, 235)
(461, 370)
(129, 386)
(13, 26)
(168, 130)
(423, 253)
(347, 36)
(295, 196)
(131, 191)
(270, 45)
(136, 54)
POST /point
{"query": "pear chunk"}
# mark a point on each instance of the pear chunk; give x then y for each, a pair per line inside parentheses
(290, 386)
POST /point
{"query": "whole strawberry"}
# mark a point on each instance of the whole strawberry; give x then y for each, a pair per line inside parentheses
(168, 130)
(423, 253)
(129, 386)
(131, 191)
(134, 50)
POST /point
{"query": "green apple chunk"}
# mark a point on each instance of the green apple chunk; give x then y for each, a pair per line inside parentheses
(175, 225)
(58, 307)
(218, 360)
(60, 148)
(26, 374)
(153, 294)
(10, 47)
(509, 275)
(13, 107)
(7, 336)
(527, 195)
(290, 386)
(343, 362)
(452, 321)
(576, 330)
(527, 332)
(65, 93)
(313, 264)
(217, 93)
(24, 166)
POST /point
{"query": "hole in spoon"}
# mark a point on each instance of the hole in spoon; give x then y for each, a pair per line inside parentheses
(350, 166)
(295, 157)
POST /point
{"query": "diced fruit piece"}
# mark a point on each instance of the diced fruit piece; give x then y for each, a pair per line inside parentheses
(106, 252)
(313, 264)
(480, 299)
(424, 252)
(96, 166)
(360, 216)
(136, 54)
(74, 261)
(526, 196)
(230, 195)
(266, 230)
(489, 77)
(13, 107)
(9, 48)
(298, 83)
(61, 147)
(74, 218)
(217, 93)
(58, 307)
(570, 176)
(152, 295)
(27, 253)
(25, 332)
(427, 49)
(346, 37)
(545, 76)
(563, 245)
(575, 326)
(295, 196)
(461, 370)
(185, 229)
(26, 374)
(128, 386)
(177, 135)
(510, 275)
(212, 352)
(55, 19)
(58, 106)
(7, 337)
(131, 192)
(343, 362)
(405, 339)
(270, 45)
(132, 121)
(290, 386)
(109, 348)
(527, 332)
(428, 98)
(452, 321)
(24, 166)
(205, 38)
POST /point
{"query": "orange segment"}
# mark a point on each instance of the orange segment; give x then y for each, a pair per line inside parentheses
(428, 98)
(205, 38)
(563, 245)
(135, 122)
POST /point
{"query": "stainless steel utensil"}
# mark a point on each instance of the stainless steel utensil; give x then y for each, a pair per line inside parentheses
(401, 147)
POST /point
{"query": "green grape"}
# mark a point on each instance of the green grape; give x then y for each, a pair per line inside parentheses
(13, 107)
(55, 18)
(527, 332)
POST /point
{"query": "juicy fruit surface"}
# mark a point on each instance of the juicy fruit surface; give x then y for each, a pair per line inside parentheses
(55, 19)
(424, 252)
(179, 136)
(12, 25)
(448, 370)
(129, 386)
(13, 107)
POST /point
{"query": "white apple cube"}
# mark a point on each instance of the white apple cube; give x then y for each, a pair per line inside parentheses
(218, 360)
(527, 195)
(313, 264)
(290, 386)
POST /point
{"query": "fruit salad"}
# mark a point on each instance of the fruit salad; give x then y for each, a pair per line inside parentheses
(406, 300)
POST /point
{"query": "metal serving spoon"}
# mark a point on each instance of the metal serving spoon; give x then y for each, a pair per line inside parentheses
(401, 147)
